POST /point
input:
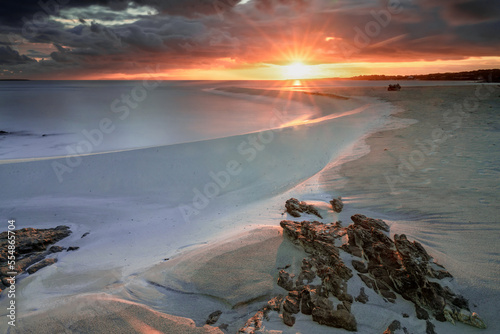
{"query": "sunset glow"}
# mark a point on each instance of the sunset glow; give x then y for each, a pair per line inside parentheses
(250, 39)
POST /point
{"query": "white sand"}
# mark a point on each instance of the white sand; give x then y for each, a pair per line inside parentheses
(131, 203)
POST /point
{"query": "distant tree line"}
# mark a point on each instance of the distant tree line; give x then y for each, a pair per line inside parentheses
(492, 75)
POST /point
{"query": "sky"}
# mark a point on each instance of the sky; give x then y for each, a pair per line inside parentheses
(245, 39)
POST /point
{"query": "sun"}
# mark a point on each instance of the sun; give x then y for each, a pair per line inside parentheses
(297, 70)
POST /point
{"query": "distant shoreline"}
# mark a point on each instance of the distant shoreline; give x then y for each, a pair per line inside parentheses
(15, 80)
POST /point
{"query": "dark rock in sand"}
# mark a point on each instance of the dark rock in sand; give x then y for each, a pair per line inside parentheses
(85, 234)
(337, 204)
(306, 304)
(56, 249)
(42, 264)
(429, 328)
(72, 249)
(288, 319)
(292, 302)
(359, 266)
(213, 317)
(421, 313)
(275, 303)
(370, 222)
(31, 247)
(285, 280)
(253, 324)
(393, 327)
(362, 297)
(337, 319)
(294, 207)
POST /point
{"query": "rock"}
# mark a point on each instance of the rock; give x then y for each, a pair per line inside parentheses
(421, 313)
(429, 328)
(275, 303)
(337, 319)
(213, 317)
(405, 315)
(72, 248)
(288, 319)
(388, 266)
(223, 327)
(359, 266)
(306, 304)
(337, 204)
(285, 281)
(347, 305)
(368, 223)
(292, 302)
(253, 324)
(31, 247)
(393, 327)
(56, 249)
(42, 264)
(85, 234)
(294, 207)
(362, 297)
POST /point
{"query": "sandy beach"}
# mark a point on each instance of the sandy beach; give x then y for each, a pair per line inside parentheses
(177, 232)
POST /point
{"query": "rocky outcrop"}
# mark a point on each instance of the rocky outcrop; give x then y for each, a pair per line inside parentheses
(294, 207)
(390, 267)
(404, 267)
(30, 248)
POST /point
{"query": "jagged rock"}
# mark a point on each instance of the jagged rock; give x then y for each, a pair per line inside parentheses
(429, 328)
(31, 247)
(288, 319)
(362, 297)
(368, 223)
(294, 207)
(30, 240)
(306, 304)
(359, 266)
(275, 303)
(292, 302)
(213, 317)
(393, 327)
(253, 324)
(403, 267)
(42, 264)
(285, 281)
(338, 318)
(421, 313)
(389, 267)
(337, 204)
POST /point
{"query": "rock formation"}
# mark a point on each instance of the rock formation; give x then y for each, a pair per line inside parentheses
(294, 207)
(391, 268)
(30, 250)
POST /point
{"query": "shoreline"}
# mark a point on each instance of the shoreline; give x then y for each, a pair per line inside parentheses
(225, 217)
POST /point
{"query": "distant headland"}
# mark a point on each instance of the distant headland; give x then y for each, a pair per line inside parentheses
(492, 75)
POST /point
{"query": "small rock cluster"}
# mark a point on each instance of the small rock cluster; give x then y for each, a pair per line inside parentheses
(31, 250)
(389, 267)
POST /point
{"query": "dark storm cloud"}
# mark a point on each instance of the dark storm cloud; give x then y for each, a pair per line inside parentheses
(8, 56)
(191, 33)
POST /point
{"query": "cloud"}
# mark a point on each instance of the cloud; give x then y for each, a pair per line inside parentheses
(8, 56)
(97, 36)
